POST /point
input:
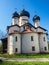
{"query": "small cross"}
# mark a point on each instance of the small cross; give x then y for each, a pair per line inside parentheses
(23, 6)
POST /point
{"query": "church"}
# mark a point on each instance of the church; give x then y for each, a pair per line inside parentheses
(23, 37)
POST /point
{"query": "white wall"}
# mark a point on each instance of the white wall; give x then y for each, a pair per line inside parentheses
(36, 23)
(21, 21)
(17, 44)
(15, 21)
(27, 43)
(12, 43)
(43, 43)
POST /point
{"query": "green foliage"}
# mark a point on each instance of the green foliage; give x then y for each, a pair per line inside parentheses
(0, 47)
(24, 63)
(25, 56)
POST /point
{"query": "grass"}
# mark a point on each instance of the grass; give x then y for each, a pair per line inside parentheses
(25, 56)
(23, 63)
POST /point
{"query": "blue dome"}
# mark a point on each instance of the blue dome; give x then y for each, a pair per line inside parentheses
(15, 14)
(36, 17)
(24, 13)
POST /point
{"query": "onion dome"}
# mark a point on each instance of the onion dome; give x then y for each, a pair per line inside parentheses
(24, 13)
(15, 14)
(36, 17)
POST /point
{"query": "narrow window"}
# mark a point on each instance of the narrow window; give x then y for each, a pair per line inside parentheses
(16, 38)
(44, 38)
(33, 48)
(31, 38)
(45, 48)
(16, 49)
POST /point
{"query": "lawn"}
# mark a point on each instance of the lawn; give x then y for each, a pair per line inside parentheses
(25, 56)
(23, 63)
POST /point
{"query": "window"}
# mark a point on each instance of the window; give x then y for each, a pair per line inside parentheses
(16, 49)
(16, 38)
(31, 38)
(45, 48)
(44, 38)
(27, 27)
(33, 48)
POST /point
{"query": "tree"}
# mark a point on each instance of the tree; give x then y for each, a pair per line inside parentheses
(0, 48)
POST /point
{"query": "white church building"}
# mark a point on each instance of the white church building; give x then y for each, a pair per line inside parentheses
(23, 37)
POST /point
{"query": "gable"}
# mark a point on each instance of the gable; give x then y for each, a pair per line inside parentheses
(41, 30)
(28, 26)
(13, 29)
(27, 31)
(33, 29)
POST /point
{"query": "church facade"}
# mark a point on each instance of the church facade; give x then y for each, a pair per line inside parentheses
(23, 37)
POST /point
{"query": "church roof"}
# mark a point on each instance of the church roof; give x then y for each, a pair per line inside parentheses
(24, 13)
(12, 26)
(27, 31)
(36, 17)
(42, 28)
(15, 14)
(29, 24)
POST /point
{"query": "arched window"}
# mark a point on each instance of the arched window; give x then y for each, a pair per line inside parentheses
(16, 38)
(31, 38)
(45, 48)
(44, 38)
(33, 48)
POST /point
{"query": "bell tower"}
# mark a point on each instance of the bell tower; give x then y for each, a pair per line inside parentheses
(24, 17)
(36, 20)
(15, 18)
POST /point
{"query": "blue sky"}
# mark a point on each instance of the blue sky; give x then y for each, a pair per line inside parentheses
(7, 7)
